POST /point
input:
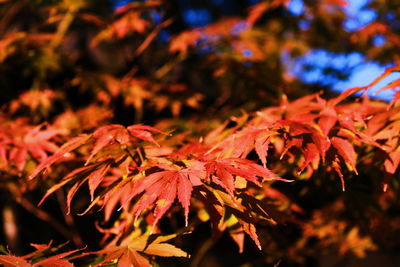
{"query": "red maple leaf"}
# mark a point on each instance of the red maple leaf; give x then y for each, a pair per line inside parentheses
(163, 187)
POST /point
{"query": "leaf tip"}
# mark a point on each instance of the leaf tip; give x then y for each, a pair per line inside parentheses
(40, 202)
(43, 199)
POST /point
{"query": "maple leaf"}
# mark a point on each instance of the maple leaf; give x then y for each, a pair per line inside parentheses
(127, 252)
(3, 154)
(346, 151)
(13, 261)
(392, 162)
(250, 229)
(310, 154)
(61, 153)
(327, 119)
(52, 261)
(345, 94)
(19, 156)
(117, 134)
(242, 216)
(108, 135)
(56, 260)
(34, 99)
(132, 21)
(396, 97)
(93, 173)
(128, 23)
(20, 143)
(387, 133)
(130, 257)
(222, 172)
(112, 134)
(96, 177)
(357, 244)
(164, 186)
(143, 132)
(36, 141)
(336, 166)
(241, 143)
(118, 194)
(103, 136)
(321, 141)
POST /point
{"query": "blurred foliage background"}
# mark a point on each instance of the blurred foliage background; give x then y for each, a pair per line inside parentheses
(190, 65)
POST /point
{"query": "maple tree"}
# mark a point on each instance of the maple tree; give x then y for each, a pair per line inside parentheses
(142, 151)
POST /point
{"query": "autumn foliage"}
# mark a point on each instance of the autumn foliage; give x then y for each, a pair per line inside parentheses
(136, 150)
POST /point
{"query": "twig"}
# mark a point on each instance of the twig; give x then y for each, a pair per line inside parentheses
(69, 220)
(63, 27)
(9, 14)
(44, 216)
(205, 247)
(150, 38)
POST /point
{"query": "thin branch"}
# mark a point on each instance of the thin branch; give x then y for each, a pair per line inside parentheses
(9, 14)
(63, 27)
(69, 219)
(205, 247)
(44, 216)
